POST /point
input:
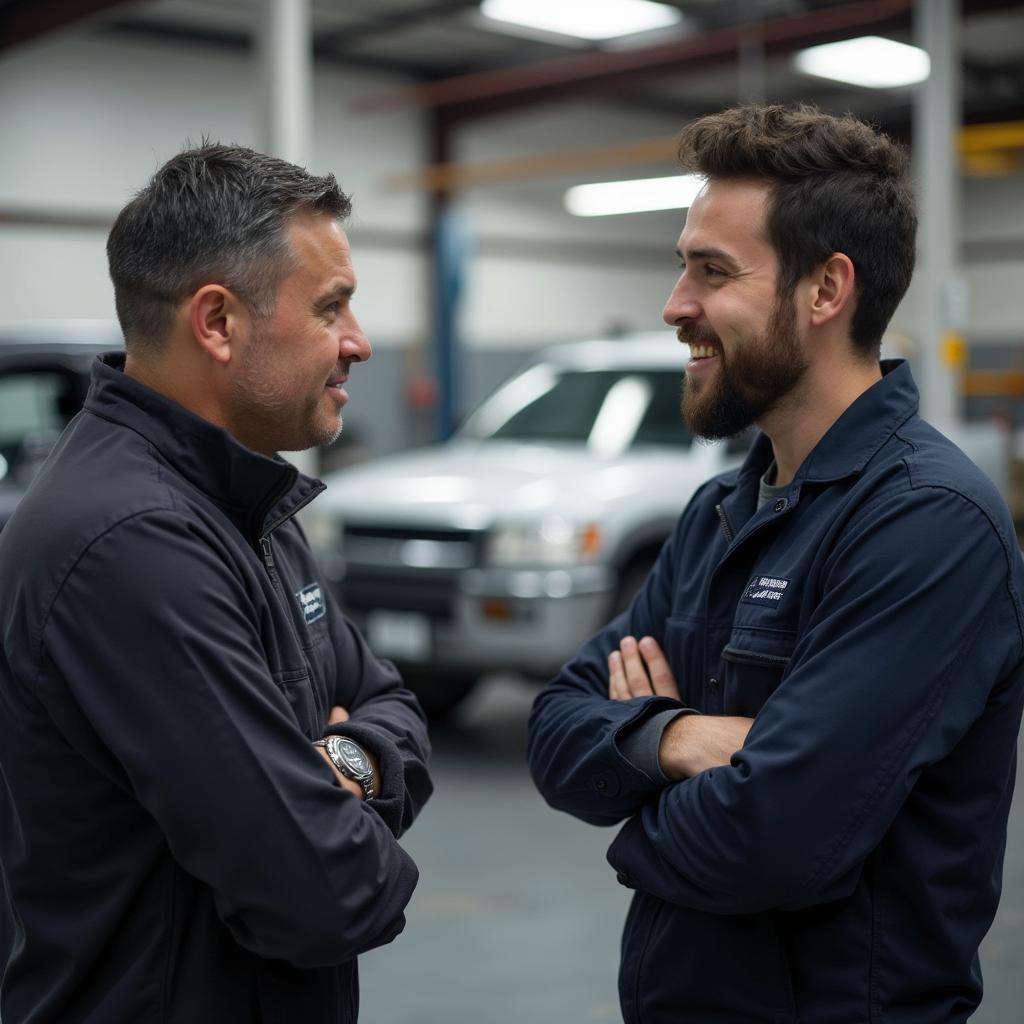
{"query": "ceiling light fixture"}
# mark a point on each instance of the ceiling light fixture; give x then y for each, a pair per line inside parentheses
(584, 19)
(869, 61)
(606, 198)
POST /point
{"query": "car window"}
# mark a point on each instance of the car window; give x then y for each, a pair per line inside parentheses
(663, 420)
(35, 405)
(32, 403)
(613, 409)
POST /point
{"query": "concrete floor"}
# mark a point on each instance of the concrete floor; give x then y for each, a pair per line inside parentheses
(517, 916)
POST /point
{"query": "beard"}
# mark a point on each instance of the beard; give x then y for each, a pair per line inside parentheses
(751, 381)
(276, 413)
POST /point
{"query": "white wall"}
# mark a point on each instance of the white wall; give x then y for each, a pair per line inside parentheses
(85, 119)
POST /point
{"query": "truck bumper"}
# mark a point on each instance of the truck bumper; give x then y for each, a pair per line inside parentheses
(528, 621)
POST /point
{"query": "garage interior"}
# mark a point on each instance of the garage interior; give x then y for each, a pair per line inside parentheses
(459, 139)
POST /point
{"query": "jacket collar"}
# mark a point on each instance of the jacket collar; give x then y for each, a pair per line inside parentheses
(256, 492)
(852, 441)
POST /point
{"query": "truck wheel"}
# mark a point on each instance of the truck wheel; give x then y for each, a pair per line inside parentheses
(438, 691)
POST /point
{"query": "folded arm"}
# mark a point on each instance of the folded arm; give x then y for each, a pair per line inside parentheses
(897, 663)
(299, 869)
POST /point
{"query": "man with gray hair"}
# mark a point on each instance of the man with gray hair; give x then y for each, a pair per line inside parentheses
(205, 770)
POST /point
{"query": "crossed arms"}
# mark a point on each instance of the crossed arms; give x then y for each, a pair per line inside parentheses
(689, 743)
(893, 663)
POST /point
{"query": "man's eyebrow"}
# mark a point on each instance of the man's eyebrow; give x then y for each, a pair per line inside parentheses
(708, 254)
(338, 291)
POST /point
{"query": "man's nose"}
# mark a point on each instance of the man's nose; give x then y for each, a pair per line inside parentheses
(681, 304)
(355, 346)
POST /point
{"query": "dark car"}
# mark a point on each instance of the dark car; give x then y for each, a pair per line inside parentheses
(44, 377)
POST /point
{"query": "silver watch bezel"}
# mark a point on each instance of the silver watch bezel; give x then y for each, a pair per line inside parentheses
(336, 752)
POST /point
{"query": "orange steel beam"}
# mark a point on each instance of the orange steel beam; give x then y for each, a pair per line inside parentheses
(993, 384)
(983, 138)
(974, 141)
(442, 177)
(649, 60)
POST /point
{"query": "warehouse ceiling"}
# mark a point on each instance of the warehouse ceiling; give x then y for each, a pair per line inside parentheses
(462, 67)
(432, 40)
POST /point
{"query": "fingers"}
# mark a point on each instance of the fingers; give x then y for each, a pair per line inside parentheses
(663, 681)
(617, 688)
(637, 680)
(337, 716)
(640, 670)
(627, 676)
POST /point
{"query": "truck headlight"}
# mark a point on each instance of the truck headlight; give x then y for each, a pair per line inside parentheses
(553, 541)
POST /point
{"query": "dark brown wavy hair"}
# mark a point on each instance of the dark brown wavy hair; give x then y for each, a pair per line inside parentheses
(837, 185)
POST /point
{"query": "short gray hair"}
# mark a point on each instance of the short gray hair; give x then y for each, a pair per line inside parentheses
(214, 214)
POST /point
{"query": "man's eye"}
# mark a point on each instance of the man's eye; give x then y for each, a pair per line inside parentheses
(333, 308)
(713, 272)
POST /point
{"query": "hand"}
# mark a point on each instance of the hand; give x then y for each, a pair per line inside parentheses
(693, 743)
(640, 670)
(336, 717)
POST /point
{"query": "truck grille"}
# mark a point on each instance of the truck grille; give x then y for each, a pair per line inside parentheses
(406, 568)
(411, 548)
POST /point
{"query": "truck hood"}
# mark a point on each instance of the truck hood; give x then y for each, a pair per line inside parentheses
(471, 484)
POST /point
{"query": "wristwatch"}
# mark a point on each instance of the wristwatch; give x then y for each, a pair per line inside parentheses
(350, 759)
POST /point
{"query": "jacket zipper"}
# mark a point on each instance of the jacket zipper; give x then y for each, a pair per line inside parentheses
(267, 557)
(267, 553)
(739, 657)
(726, 528)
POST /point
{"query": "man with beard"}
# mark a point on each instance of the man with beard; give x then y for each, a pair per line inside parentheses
(807, 718)
(205, 771)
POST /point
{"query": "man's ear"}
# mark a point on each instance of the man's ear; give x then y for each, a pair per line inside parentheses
(218, 320)
(833, 289)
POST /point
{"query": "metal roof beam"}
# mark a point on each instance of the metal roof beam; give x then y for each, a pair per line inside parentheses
(481, 93)
(24, 20)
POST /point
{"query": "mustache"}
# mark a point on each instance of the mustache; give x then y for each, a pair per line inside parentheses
(697, 334)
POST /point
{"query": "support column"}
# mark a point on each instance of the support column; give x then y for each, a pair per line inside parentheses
(449, 250)
(750, 57)
(285, 48)
(942, 291)
(286, 65)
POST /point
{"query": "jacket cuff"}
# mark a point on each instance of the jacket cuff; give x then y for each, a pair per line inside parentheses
(640, 741)
(390, 799)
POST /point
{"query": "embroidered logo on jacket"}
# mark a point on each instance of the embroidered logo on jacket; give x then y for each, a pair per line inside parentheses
(311, 600)
(765, 590)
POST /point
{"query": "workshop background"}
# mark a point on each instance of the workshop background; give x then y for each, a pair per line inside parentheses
(459, 135)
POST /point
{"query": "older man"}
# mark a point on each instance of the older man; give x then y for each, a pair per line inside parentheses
(204, 769)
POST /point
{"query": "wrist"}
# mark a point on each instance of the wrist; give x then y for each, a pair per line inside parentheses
(352, 762)
(673, 747)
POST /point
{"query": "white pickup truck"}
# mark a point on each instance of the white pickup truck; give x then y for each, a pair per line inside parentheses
(507, 546)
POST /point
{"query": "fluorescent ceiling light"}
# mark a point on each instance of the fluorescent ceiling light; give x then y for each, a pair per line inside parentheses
(585, 19)
(609, 197)
(870, 61)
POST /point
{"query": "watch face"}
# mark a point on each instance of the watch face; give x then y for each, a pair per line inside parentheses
(354, 756)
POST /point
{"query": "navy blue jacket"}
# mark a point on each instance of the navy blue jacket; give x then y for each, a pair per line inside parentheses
(173, 847)
(845, 866)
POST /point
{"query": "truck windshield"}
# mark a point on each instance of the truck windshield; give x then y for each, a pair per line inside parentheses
(608, 410)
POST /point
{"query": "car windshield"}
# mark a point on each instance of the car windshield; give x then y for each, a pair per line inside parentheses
(35, 405)
(608, 410)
